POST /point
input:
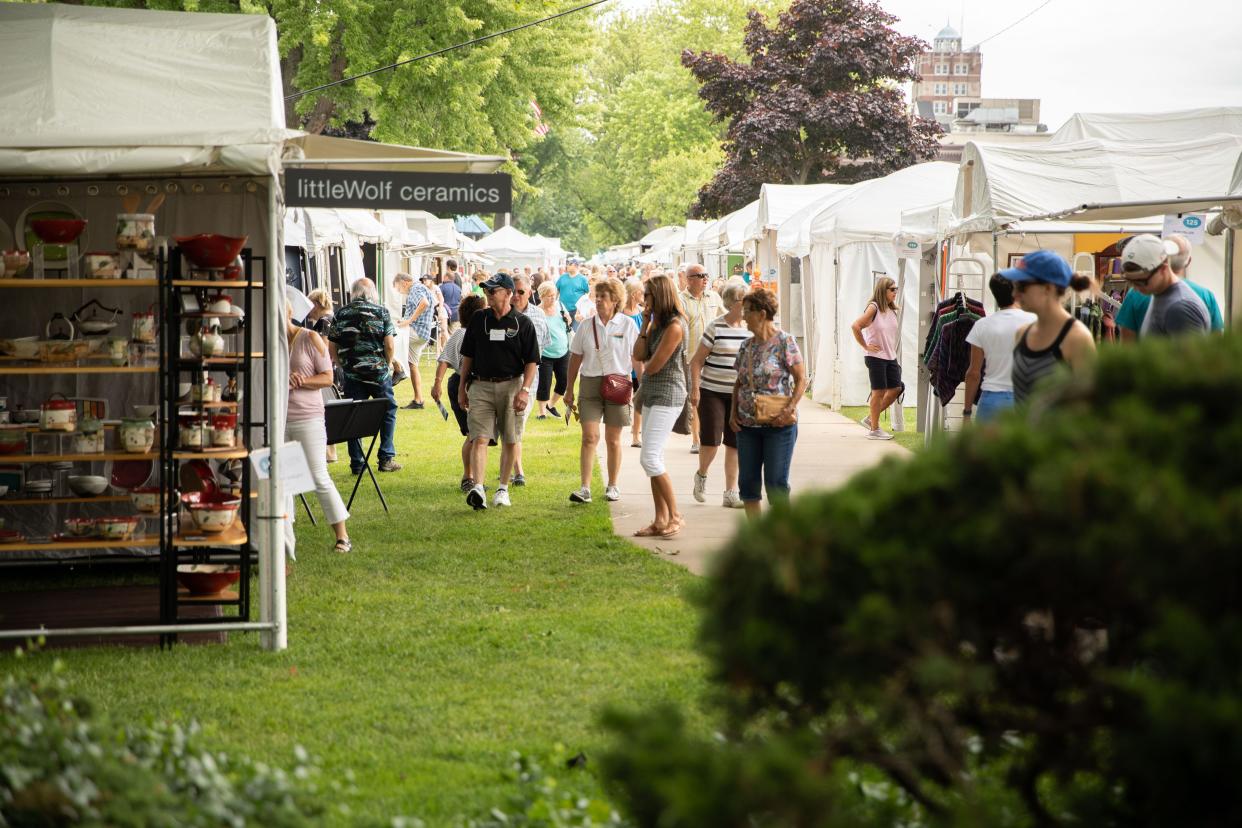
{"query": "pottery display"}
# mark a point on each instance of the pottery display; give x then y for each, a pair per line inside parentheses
(194, 431)
(16, 263)
(144, 326)
(207, 579)
(12, 439)
(212, 512)
(94, 322)
(118, 352)
(58, 231)
(207, 342)
(209, 251)
(205, 392)
(135, 231)
(116, 528)
(147, 412)
(102, 264)
(146, 499)
(58, 414)
(137, 435)
(224, 431)
(87, 485)
(89, 438)
(220, 303)
(80, 527)
(26, 347)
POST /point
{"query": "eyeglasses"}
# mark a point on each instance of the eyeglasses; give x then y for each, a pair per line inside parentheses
(696, 275)
(1129, 268)
(522, 292)
(892, 290)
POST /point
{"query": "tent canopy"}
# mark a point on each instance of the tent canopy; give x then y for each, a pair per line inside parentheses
(1091, 180)
(323, 151)
(471, 225)
(509, 246)
(778, 202)
(871, 211)
(733, 227)
(77, 82)
(1183, 125)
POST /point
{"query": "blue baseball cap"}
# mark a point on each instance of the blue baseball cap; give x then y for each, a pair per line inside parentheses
(499, 280)
(1041, 266)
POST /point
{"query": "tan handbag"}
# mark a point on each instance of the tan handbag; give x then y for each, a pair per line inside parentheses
(768, 408)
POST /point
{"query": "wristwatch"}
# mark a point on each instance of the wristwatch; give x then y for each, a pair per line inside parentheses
(966, 412)
(528, 389)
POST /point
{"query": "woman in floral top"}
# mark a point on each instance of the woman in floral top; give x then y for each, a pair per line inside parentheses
(769, 364)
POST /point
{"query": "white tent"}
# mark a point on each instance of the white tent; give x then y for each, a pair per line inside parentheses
(511, 247)
(777, 202)
(146, 98)
(1182, 125)
(659, 235)
(852, 242)
(666, 251)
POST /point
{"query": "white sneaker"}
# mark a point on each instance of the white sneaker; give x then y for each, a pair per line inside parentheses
(733, 499)
(612, 493)
(476, 497)
(866, 422)
(694, 448)
(583, 495)
(700, 487)
(879, 434)
(501, 498)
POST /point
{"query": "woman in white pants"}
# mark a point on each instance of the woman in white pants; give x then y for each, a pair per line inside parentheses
(661, 349)
(310, 371)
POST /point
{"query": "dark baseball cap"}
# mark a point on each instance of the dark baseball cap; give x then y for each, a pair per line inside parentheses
(499, 280)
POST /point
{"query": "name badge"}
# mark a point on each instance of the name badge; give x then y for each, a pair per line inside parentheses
(496, 335)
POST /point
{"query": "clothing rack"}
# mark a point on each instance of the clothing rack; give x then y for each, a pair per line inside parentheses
(966, 277)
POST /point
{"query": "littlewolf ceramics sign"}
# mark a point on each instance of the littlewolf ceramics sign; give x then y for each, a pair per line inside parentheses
(452, 193)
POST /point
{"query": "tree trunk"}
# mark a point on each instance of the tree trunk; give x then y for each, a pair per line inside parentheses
(320, 116)
(288, 68)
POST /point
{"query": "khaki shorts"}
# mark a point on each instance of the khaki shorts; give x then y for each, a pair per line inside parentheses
(593, 408)
(491, 415)
(531, 405)
(417, 346)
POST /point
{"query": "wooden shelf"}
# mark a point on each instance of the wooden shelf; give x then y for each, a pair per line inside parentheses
(70, 368)
(84, 543)
(225, 596)
(207, 283)
(235, 535)
(188, 404)
(210, 315)
(222, 454)
(12, 459)
(91, 283)
(42, 501)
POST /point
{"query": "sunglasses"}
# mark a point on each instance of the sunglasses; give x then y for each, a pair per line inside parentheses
(892, 290)
(522, 292)
(1129, 269)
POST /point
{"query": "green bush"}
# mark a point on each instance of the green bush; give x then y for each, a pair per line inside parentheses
(1036, 623)
(60, 766)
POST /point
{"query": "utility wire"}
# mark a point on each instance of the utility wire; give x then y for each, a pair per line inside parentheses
(444, 50)
(1014, 23)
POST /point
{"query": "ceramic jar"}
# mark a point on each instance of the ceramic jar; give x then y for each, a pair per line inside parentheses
(137, 435)
(194, 432)
(207, 342)
(90, 437)
(118, 351)
(58, 415)
(205, 392)
(135, 231)
(224, 431)
(103, 264)
(144, 326)
(12, 439)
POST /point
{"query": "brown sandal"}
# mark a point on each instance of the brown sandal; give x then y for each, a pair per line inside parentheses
(648, 532)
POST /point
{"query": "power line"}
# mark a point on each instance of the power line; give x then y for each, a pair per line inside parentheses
(1014, 23)
(352, 78)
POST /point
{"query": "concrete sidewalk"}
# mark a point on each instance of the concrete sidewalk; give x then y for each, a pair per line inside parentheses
(830, 449)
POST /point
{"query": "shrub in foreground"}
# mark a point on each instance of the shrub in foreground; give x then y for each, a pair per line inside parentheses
(1038, 622)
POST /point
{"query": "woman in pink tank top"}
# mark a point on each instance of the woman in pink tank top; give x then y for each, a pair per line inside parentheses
(878, 334)
(310, 371)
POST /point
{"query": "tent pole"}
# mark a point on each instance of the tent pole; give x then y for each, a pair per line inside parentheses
(272, 553)
(1230, 253)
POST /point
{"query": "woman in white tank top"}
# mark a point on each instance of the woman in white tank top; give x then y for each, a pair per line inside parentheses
(877, 332)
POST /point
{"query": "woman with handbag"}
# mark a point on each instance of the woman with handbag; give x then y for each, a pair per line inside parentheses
(770, 382)
(662, 348)
(600, 354)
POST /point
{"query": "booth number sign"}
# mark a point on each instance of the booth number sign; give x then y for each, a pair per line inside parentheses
(452, 193)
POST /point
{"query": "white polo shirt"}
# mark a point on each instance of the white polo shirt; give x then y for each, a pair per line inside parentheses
(616, 345)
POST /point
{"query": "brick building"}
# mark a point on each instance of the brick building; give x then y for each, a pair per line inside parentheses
(946, 74)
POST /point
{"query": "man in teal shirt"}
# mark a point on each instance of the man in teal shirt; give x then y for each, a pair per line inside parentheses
(572, 286)
(1134, 307)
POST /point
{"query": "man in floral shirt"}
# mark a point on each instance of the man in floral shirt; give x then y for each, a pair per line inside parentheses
(362, 339)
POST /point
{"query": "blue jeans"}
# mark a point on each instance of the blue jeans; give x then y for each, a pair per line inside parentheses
(356, 390)
(991, 404)
(763, 457)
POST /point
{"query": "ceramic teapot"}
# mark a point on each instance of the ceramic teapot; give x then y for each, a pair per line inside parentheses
(64, 330)
(208, 341)
(95, 324)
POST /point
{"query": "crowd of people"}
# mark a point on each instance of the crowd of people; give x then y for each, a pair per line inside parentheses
(657, 352)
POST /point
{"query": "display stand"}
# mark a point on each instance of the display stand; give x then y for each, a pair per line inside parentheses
(357, 420)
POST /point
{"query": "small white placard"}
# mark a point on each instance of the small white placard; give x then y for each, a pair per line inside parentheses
(295, 474)
(908, 247)
(1191, 225)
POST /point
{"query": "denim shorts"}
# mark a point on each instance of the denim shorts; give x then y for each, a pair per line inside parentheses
(764, 455)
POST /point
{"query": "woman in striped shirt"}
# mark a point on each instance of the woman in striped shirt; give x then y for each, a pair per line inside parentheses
(713, 373)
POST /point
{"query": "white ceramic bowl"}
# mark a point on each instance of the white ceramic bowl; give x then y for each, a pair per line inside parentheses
(147, 411)
(87, 485)
(213, 518)
(116, 528)
(146, 499)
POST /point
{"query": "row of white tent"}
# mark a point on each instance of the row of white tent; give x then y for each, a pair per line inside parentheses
(1099, 178)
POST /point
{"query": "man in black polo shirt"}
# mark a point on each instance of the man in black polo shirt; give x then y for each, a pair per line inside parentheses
(499, 358)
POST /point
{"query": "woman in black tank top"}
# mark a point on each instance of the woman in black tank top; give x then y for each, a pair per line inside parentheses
(1055, 337)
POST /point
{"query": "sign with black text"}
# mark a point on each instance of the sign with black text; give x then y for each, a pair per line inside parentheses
(454, 193)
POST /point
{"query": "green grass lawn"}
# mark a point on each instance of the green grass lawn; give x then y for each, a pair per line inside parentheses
(445, 641)
(911, 438)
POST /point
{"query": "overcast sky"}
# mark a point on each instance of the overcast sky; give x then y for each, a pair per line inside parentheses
(1092, 55)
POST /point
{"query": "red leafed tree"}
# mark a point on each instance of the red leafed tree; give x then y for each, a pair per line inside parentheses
(820, 100)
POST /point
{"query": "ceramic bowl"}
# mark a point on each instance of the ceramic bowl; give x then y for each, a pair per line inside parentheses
(26, 347)
(209, 250)
(58, 231)
(207, 579)
(146, 499)
(212, 512)
(80, 527)
(116, 528)
(87, 485)
(145, 411)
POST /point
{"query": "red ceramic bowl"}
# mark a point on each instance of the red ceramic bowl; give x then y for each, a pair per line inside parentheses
(206, 582)
(57, 231)
(210, 499)
(210, 251)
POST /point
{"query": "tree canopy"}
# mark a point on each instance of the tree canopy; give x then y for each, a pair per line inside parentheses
(819, 100)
